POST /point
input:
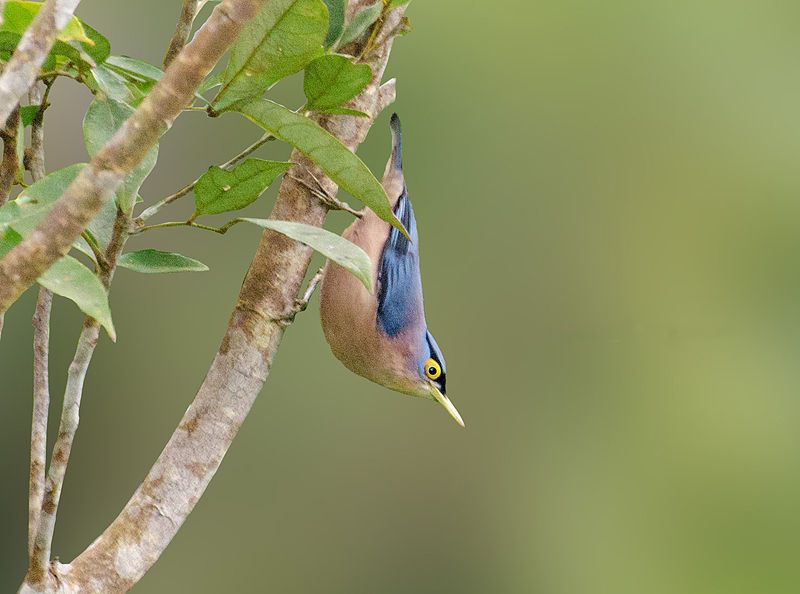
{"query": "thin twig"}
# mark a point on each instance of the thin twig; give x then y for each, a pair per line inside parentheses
(156, 208)
(183, 29)
(41, 406)
(96, 183)
(34, 156)
(36, 43)
(70, 417)
(332, 202)
(34, 161)
(99, 256)
(38, 571)
(50, 75)
(220, 230)
(9, 167)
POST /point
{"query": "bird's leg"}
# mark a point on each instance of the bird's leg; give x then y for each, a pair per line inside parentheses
(323, 196)
(301, 303)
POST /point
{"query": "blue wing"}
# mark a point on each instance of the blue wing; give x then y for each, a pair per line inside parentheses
(400, 283)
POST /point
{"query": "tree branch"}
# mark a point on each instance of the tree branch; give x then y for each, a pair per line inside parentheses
(41, 406)
(21, 70)
(183, 29)
(34, 156)
(70, 416)
(149, 521)
(95, 184)
(9, 167)
(41, 350)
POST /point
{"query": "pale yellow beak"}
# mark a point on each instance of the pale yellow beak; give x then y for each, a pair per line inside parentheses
(445, 402)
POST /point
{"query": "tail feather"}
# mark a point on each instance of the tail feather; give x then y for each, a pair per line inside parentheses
(397, 142)
(393, 181)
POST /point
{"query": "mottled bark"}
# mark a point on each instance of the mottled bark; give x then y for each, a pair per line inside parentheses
(183, 29)
(38, 574)
(23, 67)
(9, 166)
(34, 156)
(34, 160)
(41, 406)
(96, 183)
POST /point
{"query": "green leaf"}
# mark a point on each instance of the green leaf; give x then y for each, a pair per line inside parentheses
(336, 10)
(358, 25)
(64, 53)
(8, 43)
(100, 48)
(345, 111)
(212, 81)
(139, 68)
(158, 262)
(284, 37)
(28, 113)
(397, 3)
(101, 228)
(35, 201)
(219, 191)
(335, 159)
(333, 80)
(71, 279)
(103, 119)
(334, 247)
(141, 75)
(113, 85)
(19, 15)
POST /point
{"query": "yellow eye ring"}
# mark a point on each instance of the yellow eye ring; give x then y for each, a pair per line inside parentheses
(432, 369)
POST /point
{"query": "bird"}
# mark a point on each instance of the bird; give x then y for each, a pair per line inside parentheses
(383, 336)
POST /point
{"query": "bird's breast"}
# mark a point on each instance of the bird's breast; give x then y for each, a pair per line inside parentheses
(349, 315)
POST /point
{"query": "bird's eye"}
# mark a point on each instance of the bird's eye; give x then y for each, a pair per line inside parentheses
(432, 369)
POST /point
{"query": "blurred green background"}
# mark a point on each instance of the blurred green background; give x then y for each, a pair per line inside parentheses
(608, 196)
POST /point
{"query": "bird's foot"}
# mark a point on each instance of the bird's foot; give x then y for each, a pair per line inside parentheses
(301, 303)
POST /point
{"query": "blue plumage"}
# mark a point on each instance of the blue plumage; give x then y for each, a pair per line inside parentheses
(399, 279)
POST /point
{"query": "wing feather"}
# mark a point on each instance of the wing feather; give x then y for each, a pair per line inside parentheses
(399, 279)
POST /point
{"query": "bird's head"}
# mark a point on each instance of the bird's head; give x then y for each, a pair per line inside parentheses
(432, 371)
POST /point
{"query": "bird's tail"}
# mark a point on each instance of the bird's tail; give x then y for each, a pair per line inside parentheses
(397, 142)
(393, 180)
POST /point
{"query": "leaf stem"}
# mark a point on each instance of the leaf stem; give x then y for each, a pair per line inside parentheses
(52, 74)
(190, 223)
(96, 249)
(152, 210)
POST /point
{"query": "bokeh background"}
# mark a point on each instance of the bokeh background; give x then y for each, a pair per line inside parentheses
(608, 195)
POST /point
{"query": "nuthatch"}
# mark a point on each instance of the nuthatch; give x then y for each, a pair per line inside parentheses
(383, 336)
